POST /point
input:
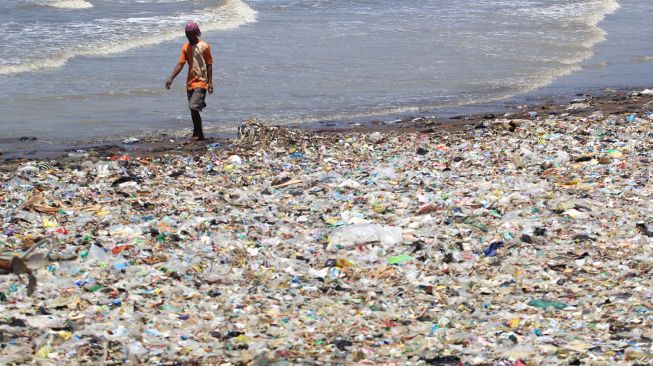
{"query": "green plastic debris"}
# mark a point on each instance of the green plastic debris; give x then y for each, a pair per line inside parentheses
(399, 259)
(95, 288)
(545, 304)
(473, 221)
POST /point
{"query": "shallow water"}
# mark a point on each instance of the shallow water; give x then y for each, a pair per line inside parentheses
(81, 70)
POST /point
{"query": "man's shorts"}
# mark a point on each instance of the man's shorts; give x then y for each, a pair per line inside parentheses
(196, 99)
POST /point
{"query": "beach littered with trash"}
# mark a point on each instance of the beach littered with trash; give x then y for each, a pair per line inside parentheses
(519, 240)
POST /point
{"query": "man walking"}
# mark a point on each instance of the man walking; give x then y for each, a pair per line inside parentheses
(197, 54)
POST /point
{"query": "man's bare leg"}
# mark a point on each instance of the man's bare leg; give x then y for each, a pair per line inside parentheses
(198, 133)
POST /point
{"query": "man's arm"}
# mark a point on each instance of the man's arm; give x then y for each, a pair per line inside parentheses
(209, 72)
(175, 72)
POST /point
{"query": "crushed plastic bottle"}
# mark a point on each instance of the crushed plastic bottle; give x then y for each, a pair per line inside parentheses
(545, 304)
(365, 233)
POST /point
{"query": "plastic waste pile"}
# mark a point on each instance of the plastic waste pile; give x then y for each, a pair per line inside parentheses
(519, 242)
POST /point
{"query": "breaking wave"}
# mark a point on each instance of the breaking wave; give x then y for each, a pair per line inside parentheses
(584, 16)
(70, 4)
(110, 36)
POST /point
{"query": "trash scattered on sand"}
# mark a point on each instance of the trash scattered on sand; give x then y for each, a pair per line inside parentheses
(525, 242)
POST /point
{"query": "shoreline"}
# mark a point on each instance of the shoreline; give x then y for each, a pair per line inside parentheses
(520, 240)
(450, 119)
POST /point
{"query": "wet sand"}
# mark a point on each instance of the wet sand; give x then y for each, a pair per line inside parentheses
(610, 103)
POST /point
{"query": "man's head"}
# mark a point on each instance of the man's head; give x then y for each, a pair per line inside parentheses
(192, 32)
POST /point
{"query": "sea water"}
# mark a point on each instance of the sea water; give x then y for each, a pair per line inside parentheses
(82, 70)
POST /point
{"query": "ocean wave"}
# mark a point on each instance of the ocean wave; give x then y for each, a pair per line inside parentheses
(603, 9)
(233, 14)
(583, 16)
(643, 59)
(34, 65)
(129, 92)
(69, 4)
(586, 12)
(115, 36)
(598, 10)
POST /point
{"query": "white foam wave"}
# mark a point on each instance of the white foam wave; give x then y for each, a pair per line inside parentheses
(601, 9)
(230, 14)
(70, 4)
(34, 65)
(588, 14)
(598, 10)
(584, 16)
(643, 59)
(239, 14)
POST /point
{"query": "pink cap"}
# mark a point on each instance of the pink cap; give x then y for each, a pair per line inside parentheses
(193, 28)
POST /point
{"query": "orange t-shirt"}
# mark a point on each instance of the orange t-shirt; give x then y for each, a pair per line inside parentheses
(198, 57)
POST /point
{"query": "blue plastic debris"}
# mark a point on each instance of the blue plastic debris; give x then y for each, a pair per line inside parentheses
(491, 250)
